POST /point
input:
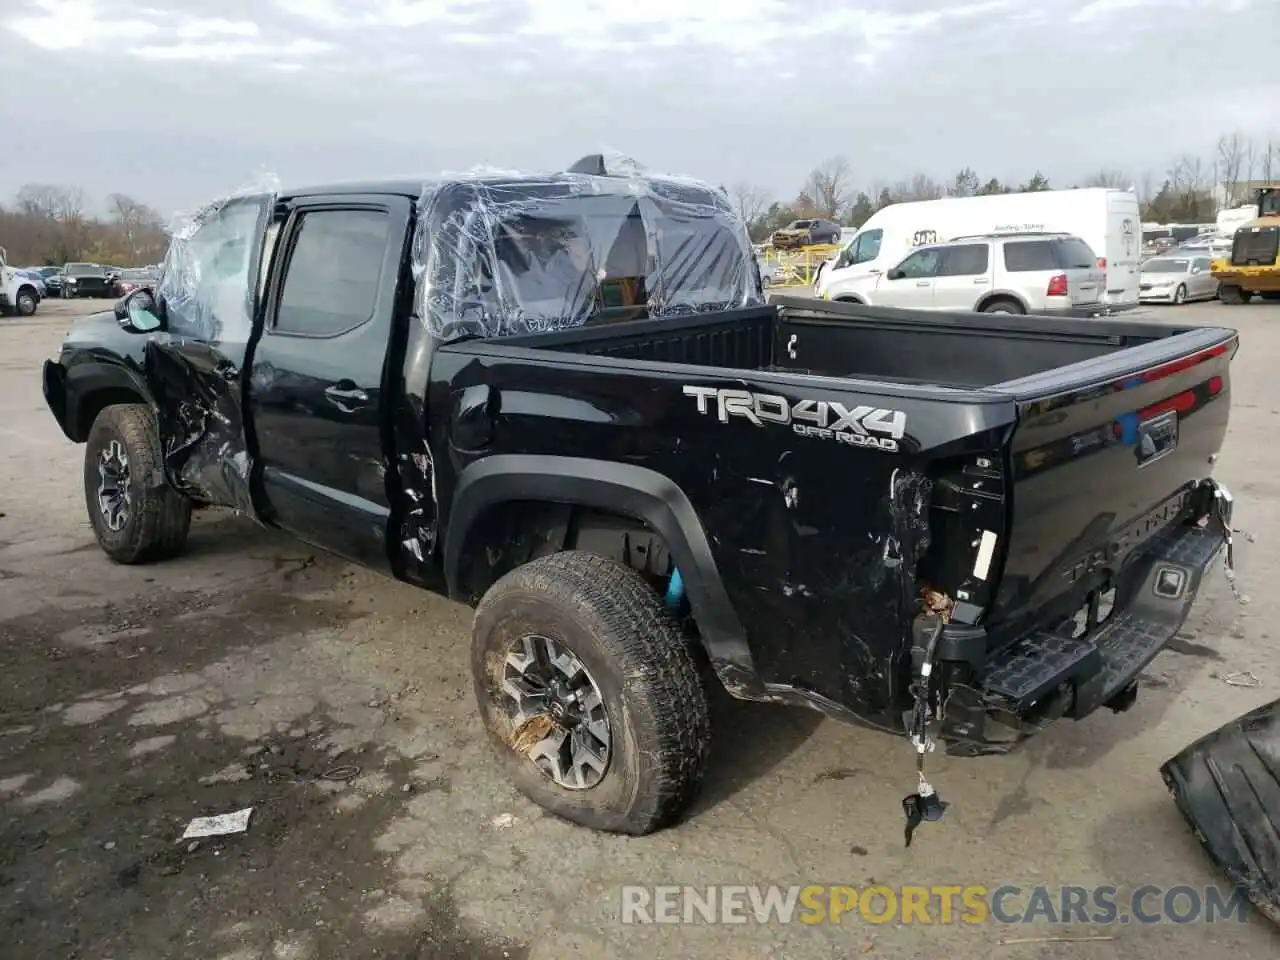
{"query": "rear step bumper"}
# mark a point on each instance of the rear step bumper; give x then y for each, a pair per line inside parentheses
(1047, 676)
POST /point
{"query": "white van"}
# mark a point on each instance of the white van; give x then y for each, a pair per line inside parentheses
(1107, 220)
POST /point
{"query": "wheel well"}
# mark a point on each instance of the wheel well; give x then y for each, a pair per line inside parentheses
(94, 403)
(999, 298)
(28, 286)
(512, 533)
(847, 298)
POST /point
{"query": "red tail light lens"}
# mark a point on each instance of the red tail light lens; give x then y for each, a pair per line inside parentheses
(1057, 286)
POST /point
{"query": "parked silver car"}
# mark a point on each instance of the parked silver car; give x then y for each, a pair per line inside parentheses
(1177, 279)
(1039, 273)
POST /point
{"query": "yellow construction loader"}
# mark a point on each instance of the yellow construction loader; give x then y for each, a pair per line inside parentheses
(1252, 266)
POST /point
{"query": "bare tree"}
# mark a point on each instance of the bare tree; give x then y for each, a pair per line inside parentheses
(51, 201)
(1109, 177)
(1146, 187)
(140, 227)
(749, 201)
(828, 187)
(1269, 159)
(1229, 160)
(920, 187)
(1188, 173)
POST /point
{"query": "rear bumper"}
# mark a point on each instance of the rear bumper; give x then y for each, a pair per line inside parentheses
(1050, 674)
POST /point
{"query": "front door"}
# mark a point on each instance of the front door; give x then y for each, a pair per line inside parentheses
(964, 276)
(318, 383)
(910, 283)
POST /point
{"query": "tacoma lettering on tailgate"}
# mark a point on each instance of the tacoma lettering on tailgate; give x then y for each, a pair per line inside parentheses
(861, 426)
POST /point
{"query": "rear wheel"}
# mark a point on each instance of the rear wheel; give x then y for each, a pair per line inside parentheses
(1003, 306)
(1180, 295)
(589, 693)
(135, 515)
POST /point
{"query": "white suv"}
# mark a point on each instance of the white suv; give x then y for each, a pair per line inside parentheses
(1053, 273)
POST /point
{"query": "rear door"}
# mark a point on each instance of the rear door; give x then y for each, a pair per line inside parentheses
(318, 378)
(1123, 250)
(964, 276)
(1203, 280)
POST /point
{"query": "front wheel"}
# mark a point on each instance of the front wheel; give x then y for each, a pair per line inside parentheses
(26, 302)
(135, 515)
(1230, 293)
(589, 693)
(1180, 295)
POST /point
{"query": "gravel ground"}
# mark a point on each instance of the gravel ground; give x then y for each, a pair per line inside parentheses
(256, 672)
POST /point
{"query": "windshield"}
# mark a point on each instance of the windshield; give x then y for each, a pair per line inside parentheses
(84, 270)
(800, 225)
(1269, 204)
(1165, 266)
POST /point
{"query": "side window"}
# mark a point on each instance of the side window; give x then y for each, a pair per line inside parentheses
(920, 265)
(1203, 265)
(334, 270)
(867, 247)
(205, 282)
(968, 260)
(1027, 256)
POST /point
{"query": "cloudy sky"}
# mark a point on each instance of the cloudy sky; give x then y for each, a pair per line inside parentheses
(174, 100)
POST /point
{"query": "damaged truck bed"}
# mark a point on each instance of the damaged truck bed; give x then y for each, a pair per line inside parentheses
(958, 527)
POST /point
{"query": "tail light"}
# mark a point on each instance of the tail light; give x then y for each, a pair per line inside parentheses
(1057, 286)
(1102, 263)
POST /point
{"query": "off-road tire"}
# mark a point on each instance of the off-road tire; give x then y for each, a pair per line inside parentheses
(159, 518)
(616, 625)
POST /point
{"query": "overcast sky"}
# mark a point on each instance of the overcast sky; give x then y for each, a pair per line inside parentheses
(163, 100)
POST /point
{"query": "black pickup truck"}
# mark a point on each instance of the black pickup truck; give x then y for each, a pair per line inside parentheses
(565, 400)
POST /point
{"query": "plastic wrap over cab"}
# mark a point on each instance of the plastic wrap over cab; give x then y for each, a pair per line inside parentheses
(204, 282)
(506, 254)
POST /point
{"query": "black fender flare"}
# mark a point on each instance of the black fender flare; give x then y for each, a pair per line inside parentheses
(625, 489)
(81, 381)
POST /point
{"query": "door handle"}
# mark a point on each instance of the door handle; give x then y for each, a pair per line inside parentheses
(981, 280)
(923, 283)
(346, 390)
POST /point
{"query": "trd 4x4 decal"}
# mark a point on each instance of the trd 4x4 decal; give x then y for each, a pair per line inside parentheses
(823, 419)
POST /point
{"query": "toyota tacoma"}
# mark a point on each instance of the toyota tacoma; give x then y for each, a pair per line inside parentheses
(564, 399)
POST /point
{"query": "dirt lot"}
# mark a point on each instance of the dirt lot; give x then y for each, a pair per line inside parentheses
(257, 672)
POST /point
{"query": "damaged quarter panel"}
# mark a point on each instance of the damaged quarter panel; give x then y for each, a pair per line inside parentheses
(817, 539)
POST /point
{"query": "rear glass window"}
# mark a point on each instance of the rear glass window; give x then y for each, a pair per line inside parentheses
(1024, 256)
(1074, 253)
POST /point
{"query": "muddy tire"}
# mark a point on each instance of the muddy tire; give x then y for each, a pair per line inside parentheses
(615, 734)
(136, 517)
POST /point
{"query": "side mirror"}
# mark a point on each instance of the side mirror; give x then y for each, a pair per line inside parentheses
(138, 313)
(896, 274)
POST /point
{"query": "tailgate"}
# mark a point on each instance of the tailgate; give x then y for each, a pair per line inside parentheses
(1085, 287)
(1100, 457)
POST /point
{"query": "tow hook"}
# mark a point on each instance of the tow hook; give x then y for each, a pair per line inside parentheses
(925, 805)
